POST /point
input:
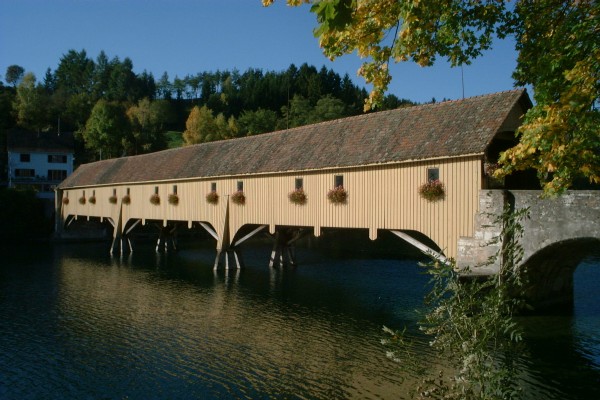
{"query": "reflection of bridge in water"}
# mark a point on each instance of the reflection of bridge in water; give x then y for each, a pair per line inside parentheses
(235, 189)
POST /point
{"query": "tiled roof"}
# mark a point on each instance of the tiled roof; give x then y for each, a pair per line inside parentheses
(20, 140)
(445, 129)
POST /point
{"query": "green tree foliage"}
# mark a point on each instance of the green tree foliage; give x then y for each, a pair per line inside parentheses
(147, 120)
(107, 131)
(328, 108)
(14, 74)
(256, 122)
(31, 104)
(559, 55)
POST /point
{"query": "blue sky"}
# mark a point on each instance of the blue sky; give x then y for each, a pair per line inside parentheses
(189, 36)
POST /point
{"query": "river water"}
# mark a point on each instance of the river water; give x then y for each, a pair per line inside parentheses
(76, 323)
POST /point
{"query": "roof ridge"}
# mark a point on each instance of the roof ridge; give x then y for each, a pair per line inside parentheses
(445, 129)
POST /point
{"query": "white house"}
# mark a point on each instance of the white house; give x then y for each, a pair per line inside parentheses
(39, 161)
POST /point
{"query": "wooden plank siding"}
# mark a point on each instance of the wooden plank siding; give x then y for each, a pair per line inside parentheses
(383, 157)
(379, 197)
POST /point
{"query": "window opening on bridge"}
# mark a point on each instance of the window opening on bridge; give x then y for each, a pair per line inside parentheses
(93, 193)
(115, 192)
(240, 186)
(299, 184)
(433, 174)
(213, 186)
(155, 189)
(338, 181)
(127, 191)
(174, 189)
(25, 157)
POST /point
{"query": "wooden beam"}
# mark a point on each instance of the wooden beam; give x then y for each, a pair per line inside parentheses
(210, 230)
(248, 236)
(425, 249)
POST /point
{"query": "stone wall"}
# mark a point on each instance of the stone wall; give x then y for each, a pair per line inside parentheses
(558, 234)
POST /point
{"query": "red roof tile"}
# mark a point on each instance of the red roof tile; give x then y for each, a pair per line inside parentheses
(445, 129)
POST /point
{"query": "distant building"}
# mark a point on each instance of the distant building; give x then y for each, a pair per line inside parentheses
(39, 161)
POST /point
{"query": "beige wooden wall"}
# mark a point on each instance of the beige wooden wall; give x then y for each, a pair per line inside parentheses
(379, 197)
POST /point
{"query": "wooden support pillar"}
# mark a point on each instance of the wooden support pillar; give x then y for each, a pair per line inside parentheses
(167, 235)
(224, 257)
(284, 252)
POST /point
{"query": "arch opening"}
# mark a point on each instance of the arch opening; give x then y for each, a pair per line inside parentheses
(550, 273)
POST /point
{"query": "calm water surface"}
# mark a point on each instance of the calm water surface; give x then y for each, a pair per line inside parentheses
(75, 323)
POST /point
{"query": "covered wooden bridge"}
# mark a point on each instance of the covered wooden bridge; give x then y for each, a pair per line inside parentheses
(373, 165)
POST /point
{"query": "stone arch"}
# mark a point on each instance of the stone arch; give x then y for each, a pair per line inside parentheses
(550, 273)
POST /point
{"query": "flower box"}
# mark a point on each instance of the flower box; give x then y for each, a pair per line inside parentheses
(82, 200)
(173, 199)
(65, 200)
(212, 197)
(433, 190)
(239, 198)
(92, 200)
(126, 199)
(338, 195)
(112, 199)
(298, 196)
(155, 199)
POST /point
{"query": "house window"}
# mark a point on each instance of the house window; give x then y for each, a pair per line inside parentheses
(338, 181)
(213, 186)
(299, 184)
(240, 186)
(25, 157)
(24, 173)
(433, 174)
(174, 189)
(57, 158)
(57, 174)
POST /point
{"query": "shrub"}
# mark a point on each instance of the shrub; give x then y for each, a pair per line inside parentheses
(298, 196)
(212, 197)
(239, 198)
(433, 190)
(155, 199)
(337, 195)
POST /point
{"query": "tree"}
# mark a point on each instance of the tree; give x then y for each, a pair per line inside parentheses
(559, 55)
(14, 74)
(256, 122)
(75, 73)
(298, 113)
(107, 130)
(199, 125)
(31, 104)
(328, 108)
(147, 122)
